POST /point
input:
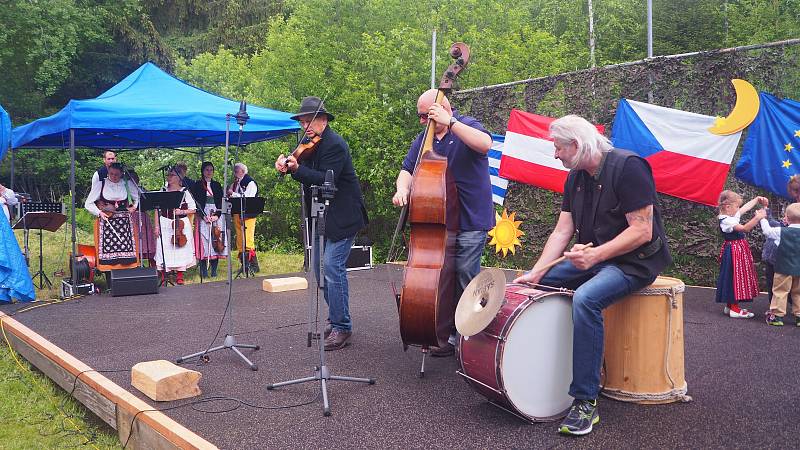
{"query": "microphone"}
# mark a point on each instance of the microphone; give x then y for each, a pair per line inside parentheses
(242, 117)
(328, 188)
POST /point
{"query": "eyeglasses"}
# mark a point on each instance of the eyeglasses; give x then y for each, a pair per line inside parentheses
(423, 116)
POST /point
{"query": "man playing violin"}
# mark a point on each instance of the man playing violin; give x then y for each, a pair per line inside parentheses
(465, 143)
(345, 217)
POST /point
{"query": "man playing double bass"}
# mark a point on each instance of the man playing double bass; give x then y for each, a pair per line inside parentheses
(464, 142)
(345, 217)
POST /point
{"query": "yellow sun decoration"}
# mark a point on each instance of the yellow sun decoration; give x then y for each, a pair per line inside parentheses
(505, 234)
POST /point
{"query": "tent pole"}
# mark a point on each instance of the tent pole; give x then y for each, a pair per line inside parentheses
(72, 204)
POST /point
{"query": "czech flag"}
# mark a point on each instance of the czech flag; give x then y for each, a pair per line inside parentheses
(688, 161)
(529, 154)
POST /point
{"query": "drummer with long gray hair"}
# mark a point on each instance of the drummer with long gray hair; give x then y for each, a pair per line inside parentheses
(611, 207)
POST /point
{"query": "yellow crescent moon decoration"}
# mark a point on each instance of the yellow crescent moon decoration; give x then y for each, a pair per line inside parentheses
(743, 113)
(505, 234)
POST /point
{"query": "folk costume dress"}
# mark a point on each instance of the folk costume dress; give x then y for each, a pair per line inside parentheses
(737, 280)
(177, 258)
(116, 238)
(209, 199)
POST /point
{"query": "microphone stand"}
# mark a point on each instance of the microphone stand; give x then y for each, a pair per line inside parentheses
(230, 340)
(321, 197)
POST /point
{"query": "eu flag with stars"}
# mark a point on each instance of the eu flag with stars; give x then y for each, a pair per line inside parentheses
(772, 150)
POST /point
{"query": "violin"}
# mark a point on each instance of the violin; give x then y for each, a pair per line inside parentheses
(216, 238)
(305, 148)
(179, 239)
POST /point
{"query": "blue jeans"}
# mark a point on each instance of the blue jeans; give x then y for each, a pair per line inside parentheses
(336, 289)
(595, 290)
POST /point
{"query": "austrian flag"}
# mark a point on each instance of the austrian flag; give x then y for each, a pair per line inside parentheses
(529, 153)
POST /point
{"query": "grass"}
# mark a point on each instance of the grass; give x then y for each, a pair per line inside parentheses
(35, 413)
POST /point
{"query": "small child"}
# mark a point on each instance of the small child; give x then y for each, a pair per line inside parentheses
(787, 266)
(737, 280)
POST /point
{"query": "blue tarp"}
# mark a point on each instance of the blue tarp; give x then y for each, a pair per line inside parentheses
(5, 132)
(148, 109)
(15, 280)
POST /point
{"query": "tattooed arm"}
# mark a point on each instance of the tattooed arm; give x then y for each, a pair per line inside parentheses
(639, 232)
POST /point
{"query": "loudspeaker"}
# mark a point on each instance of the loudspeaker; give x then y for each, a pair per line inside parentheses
(136, 281)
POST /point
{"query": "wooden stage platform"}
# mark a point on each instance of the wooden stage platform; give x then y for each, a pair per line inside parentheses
(742, 375)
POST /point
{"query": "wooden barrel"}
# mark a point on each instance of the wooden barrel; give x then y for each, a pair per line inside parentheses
(644, 345)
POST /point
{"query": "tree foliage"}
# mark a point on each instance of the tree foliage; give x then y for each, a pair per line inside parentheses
(369, 59)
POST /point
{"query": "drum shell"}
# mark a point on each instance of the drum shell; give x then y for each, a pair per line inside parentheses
(481, 356)
(644, 347)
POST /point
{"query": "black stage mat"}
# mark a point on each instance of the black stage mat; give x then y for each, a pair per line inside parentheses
(742, 374)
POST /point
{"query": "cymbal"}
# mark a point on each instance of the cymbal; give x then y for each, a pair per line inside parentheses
(482, 299)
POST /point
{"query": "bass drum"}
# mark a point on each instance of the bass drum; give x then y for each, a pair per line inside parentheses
(522, 361)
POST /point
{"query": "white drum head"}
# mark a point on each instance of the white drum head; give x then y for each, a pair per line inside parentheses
(536, 365)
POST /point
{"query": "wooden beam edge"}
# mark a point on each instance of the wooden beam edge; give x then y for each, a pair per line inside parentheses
(173, 431)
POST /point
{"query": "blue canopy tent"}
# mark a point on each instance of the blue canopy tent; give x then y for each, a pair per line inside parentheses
(5, 132)
(149, 109)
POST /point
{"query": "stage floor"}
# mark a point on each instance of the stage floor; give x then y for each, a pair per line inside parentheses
(742, 374)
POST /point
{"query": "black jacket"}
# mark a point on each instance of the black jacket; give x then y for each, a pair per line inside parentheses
(347, 213)
(199, 194)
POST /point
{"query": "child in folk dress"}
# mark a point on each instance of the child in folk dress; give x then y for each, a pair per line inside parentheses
(737, 280)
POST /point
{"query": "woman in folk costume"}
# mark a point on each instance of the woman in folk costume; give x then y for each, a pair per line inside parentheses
(244, 186)
(113, 200)
(210, 240)
(174, 232)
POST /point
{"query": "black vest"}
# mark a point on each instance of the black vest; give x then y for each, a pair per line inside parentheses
(102, 173)
(609, 221)
(788, 260)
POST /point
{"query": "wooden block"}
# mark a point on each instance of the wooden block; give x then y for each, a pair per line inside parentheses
(284, 284)
(163, 381)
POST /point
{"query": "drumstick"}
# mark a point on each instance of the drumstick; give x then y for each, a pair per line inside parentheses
(558, 260)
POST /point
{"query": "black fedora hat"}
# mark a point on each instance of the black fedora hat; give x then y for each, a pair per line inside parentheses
(311, 105)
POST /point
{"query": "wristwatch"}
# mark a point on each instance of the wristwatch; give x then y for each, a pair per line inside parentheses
(453, 120)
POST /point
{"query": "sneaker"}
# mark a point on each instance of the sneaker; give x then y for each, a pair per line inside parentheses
(774, 320)
(742, 314)
(446, 350)
(580, 419)
(337, 339)
(726, 311)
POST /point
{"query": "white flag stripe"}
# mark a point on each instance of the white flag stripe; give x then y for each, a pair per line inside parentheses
(499, 182)
(494, 162)
(497, 199)
(531, 149)
(686, 133)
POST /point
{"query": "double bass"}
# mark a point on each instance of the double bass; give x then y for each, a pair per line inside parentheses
(427, 302)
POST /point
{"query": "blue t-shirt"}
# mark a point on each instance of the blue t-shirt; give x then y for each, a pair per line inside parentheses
(470, 170)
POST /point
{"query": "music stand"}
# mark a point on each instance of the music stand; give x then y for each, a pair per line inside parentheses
(40, 216)
(158, 200)
(251, 206)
